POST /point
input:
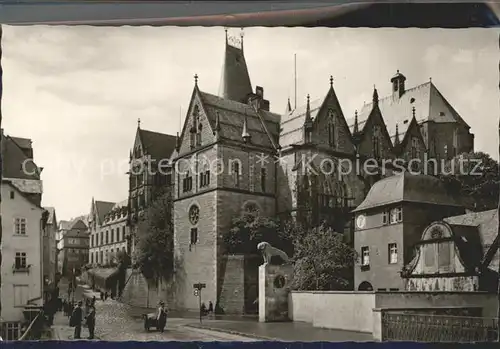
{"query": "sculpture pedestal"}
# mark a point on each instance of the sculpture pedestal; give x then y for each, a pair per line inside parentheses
(274, 286)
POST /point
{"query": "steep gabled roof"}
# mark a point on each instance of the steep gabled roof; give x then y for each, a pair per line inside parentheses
(19, 192)
(408, 187)
(235, 81)
(398, 111)
(487, 224)
(103, 208)
(158, 145)
(65, 225)
(52, 215)
(13, 157)
(232, 116)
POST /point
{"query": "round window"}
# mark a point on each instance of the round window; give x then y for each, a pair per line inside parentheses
(194, 214)
(279, 281)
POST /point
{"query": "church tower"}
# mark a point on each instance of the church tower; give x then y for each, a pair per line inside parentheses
(218, 177)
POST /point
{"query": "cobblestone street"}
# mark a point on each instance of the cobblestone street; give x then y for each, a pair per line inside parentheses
(116, 321)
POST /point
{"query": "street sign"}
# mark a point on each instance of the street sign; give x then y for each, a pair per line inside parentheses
(199, 286)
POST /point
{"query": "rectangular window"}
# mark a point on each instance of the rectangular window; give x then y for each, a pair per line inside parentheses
(187, 183)
(365, 256)
(112, 235)
(194, 236)
(12, 195)
(205, 179)
(20, 226)
(107, 237)
(396, 215)
(393, 253)
(385, 218)
(21, 295)
(263, 178)
(20, 260)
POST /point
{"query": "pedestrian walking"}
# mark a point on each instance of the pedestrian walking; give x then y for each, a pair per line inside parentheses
(91, 321)
(210, 307)
(76, 320)
(161, 317)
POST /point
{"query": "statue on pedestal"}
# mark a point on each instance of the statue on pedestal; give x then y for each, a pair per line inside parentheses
(268, 252)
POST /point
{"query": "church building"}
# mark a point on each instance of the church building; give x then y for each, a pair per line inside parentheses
(235, 155)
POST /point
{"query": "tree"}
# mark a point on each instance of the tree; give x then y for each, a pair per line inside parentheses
(475, 176)
(155, 239)
(323, 261)
(250, 229)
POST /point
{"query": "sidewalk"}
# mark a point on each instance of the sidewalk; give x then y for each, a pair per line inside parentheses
(61, 331)
(283, 331)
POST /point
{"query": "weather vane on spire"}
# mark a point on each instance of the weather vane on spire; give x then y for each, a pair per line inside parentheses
(235, 41)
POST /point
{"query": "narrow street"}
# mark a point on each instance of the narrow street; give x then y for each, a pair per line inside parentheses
(116, 321)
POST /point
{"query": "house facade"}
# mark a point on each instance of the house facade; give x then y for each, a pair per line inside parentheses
(113, 237)
(50, 248)
(458, 253)
(73, 246)
(22, 260)
(96, 218)
(23, 222)
(390, 221)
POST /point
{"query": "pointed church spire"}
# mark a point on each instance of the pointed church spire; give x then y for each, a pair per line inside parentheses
(308, 121)
(288, 107)
(242, 35)
(375, 96)
(217, 125)
(177, 142)
(396, 137)
(356, 126)
(235, 81)
(245, 135)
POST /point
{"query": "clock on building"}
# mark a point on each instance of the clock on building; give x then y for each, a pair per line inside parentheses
(361, 221)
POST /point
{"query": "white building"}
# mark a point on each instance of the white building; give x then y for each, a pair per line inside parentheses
(22, 227)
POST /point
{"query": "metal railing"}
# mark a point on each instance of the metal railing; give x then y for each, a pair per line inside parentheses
(438, 328)
(35, 328)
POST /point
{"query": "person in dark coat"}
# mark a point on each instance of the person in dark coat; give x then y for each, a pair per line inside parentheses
(76, 320)
(210, 307)
(91, 322)
(162, 317)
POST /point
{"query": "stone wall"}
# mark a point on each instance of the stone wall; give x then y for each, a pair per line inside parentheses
(354, 311)
(141, 293)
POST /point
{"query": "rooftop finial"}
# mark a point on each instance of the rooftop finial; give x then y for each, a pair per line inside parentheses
(356, 126)
(375, 95)
(430, 78)
(196, 79)
(242, 34)
(139, 123)
(308, 99)
(225, 30)
(413, 111)
(397, 71)
(331, 81)
(396, 136)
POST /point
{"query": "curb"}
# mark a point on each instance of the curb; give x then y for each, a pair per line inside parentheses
(237, 333)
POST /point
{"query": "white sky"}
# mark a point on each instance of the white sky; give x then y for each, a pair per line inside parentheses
(77, 92)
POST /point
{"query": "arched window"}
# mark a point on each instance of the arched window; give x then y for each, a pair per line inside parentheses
(376, 138)
(331, 129)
